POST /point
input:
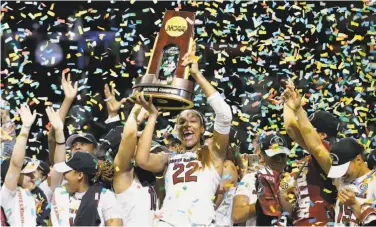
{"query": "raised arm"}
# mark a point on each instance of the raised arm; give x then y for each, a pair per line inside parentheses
(311, 137)
(18, 154)
(58, 126)
(70, 93)
(223, 118)
(229, 180)
(152, 162)
(292, 126)
(123, 175)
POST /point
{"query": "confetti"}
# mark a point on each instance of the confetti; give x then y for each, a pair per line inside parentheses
(328, 52)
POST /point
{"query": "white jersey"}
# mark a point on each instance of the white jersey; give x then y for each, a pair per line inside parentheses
(19, 207)
(189, 192)
(138, 205)
(65, 206)
(247, 187)
(224, 211)
(365, 190)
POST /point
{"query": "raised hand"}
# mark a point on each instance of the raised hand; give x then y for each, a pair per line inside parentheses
(27, 117)
(54, 118)
(147, 105)
(113, 106)
(70, 91)
(291, 96)
(191, 59)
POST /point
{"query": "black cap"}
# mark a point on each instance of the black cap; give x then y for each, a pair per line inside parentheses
(81, 161)
(371, 161)
(325, 122)
(274, 144)
(44, 167)
(342, 153)
(87, 136)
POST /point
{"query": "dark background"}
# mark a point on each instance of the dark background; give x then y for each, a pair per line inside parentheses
(258, 74)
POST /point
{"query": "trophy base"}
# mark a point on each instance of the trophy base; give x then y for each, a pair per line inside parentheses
(165, 97)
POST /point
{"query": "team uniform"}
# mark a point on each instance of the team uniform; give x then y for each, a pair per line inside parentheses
(365, 189)
(65, 206)
(138, 205)
(268, 208)
(247, 187)
(189, 192)
(19, 207)
(224, 210)
(315, 195)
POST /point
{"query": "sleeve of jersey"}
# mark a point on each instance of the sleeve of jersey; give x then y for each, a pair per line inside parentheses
(367, 206)
(109, 205)
(223, 115)
(247, 187)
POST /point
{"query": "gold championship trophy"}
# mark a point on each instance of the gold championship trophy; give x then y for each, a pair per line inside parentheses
(166, 80)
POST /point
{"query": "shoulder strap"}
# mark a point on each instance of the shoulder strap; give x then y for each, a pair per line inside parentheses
(302, 167)
(3, 218)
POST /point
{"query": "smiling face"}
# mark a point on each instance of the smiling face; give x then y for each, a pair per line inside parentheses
(82, 144)
(73, 179)
(189, 128)
(27, 180)
(277, 162)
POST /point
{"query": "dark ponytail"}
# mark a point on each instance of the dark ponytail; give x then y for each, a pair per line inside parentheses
(104, 175)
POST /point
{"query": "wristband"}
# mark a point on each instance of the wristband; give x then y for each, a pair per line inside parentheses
(63, 143)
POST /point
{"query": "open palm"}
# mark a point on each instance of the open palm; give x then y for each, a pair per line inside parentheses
(27, 117)
(54, 118)
(113, 105)
(70, 91)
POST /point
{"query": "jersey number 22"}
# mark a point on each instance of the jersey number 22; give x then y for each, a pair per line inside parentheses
(180, 167)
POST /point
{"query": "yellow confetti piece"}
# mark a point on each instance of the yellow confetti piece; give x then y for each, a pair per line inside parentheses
(80, 30)
(354, 23)
(235, 123)
(93, 101)
(117, 168)
(272, 209)
(327, 190)
(52, 14)
(215, 84)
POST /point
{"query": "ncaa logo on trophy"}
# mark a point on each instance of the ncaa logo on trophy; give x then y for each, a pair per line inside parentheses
(166, 80)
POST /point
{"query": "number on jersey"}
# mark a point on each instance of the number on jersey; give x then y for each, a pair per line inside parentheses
(187, 177)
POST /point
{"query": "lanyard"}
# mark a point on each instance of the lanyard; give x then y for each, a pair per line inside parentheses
(22, 208)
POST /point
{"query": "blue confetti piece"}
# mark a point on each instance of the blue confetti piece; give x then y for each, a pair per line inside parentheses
(312, 220)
